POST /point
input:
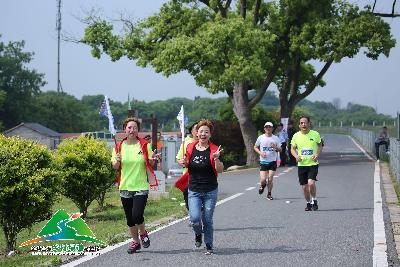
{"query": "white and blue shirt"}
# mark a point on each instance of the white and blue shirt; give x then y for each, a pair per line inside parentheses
(265, 144)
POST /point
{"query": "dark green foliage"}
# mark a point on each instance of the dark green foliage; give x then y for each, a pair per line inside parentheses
(28, 186)
(84, 165)
(18, 84)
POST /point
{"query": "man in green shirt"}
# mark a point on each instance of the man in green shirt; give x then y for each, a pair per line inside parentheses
(306, 148)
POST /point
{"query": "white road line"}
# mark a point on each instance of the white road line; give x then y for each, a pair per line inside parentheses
(250, 188)
(359, 147)
(110, 248)
(379, 254)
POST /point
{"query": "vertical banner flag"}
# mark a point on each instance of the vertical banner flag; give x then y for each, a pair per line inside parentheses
(105, 111)
(181, 120)
(285, 122)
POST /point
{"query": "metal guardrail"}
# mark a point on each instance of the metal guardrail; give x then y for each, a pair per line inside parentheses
(367, 139)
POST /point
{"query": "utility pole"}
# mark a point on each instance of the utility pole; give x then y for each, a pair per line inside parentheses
(58, 27)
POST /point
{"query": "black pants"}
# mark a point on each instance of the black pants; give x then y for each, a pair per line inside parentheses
(292, 160)
(134, 209)
(185, 196)
(378, 144)
(283, 154)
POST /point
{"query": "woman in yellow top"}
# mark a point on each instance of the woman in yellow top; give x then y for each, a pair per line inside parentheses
(182, 153)
(133, 158)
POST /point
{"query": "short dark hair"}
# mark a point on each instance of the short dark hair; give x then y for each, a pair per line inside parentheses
(127, 120)
(147, 137)
(305, 117)
(190, 128)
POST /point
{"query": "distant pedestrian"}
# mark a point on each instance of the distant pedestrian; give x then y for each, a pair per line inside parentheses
(267, 146)
(133, 158)
(382, 139)
(283, 138)
(204, 164)
(181, 156)
(306, 148)
(290, 131)
(148, 139)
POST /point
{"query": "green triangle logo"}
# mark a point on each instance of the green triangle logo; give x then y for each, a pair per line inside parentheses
(63, 226)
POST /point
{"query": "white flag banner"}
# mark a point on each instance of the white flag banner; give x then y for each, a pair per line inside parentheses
(105, 111)
(181, 120)
(285, 122)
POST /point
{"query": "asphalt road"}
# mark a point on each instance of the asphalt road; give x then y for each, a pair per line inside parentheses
(251, 230)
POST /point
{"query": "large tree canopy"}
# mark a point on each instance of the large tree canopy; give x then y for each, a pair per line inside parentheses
(18, 84)
(246, 45)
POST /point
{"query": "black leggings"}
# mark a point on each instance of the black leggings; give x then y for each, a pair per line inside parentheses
(134, 209)
(185, 196)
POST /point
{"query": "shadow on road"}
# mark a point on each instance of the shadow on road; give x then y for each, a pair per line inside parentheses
(246, 228)
(279, 249)
(344, 209)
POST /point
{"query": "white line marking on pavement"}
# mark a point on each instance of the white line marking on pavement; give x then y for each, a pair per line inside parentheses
(379, 254)
(250, 188)
(228, 198)
(110, 248)
(359, 147)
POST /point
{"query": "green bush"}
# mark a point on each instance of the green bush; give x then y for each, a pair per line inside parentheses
(85, 168)
(28, 186)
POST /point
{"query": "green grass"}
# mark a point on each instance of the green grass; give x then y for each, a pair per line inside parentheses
(345, 130)
(395, 183)
(108, 225)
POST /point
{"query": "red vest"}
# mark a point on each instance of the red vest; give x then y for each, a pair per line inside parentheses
(151, 176)
(183, 182)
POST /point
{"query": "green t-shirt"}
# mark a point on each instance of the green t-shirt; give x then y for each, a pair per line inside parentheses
(306, 146)
(133, 173)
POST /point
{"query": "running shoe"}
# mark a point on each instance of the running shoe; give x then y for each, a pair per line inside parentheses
(145, 239)
(261, 189)
(198, 240)
(269, 196)
(133, 247)
(209, 250)
(308, 207)
(315, 205)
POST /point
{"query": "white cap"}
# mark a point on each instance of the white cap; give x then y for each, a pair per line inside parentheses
(268, 124)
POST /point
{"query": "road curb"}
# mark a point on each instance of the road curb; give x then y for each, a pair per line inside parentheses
(392, 203)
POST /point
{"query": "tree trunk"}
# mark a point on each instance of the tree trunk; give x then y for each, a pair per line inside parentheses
(11, 236)
(101, 198)
(286, 109)
(242, 111)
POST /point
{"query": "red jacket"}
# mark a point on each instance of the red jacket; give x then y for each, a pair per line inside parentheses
(151, 176)
(183, 182)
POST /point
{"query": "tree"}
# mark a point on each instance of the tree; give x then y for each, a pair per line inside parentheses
(63, 113)
(18, 84)
(324, 33)
(385, 14)
(337, 103)
(244, 47)
(28, 186)
(85, 168)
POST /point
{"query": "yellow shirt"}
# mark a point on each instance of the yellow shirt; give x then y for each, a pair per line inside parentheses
(133, 172)
(182, 151)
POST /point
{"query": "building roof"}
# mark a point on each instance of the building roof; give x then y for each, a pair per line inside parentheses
(37, 128)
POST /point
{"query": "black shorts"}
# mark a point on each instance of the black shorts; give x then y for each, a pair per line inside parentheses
(268, 167)
(307, 172)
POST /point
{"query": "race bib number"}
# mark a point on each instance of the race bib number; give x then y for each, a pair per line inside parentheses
(307, 152)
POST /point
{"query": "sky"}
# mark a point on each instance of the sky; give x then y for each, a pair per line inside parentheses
(358, 80)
